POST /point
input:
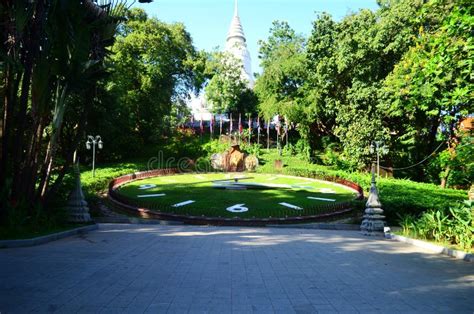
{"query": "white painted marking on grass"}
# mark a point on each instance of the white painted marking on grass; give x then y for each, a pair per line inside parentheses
(270, 185)
(291, 206)
(200, 177)
(183, 203)
(302, 187)
(146, 186)
(237, 208)
(321, 199)
(327, 191)
(235, 187)
(272, 178)
(151, 195)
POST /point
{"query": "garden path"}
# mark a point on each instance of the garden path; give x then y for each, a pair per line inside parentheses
(181, 269)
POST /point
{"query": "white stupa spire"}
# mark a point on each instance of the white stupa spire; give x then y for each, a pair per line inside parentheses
(236, 45)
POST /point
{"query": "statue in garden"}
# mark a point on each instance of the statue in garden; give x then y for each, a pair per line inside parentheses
(234, 160)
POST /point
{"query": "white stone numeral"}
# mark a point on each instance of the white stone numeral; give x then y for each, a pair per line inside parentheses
(151, 195)
(183, 203)
(237, 208)
(321, 199)
(147, 186)
(291, 206)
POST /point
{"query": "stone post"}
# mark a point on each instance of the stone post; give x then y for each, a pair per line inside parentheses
(76, 204)
(373, 222)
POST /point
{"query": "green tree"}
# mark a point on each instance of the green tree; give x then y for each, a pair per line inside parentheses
(226, 90)
(282, 59)
(152, 68)
(432, 87)
(322, 87)
(348, 62)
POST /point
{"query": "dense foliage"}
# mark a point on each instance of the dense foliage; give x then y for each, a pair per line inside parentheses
(226, 91)
(52, 56)
(69, 68)
(401, 75)
(152, 70)
(282, 58)
(452, 226)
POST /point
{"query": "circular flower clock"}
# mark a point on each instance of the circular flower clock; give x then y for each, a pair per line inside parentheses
(235, 195)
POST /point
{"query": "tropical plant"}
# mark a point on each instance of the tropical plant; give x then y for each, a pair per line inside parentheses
(455, 226)
(53, 52)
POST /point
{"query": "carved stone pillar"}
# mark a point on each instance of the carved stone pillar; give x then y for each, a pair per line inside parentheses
(373, 222)
(76, 205)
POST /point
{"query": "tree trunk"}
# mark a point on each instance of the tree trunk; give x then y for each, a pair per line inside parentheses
(444, 179)
(30, 50)
(35, 150)
(51, 192)
(57, 123)
(11, 85)
(17, 158)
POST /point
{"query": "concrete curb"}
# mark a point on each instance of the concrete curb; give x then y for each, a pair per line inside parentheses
(140, 221)
(134, 220)
(46, 238)
(468, 257)
(323, 226)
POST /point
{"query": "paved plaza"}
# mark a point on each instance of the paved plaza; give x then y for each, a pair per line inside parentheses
(191, 269)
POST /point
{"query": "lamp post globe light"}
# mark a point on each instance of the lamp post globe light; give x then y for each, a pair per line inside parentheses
(90, 143)
(378, 148)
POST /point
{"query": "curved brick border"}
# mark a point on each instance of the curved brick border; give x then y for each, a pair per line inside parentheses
(123, 203)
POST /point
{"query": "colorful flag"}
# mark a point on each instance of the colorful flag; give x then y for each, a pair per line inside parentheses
(240, 123)
(220, 125)
(268, 134)
(258, 130)
(278, 125)
(211, 125)
(250, 128)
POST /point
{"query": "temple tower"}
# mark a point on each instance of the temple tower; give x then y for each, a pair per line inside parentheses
(237, 46)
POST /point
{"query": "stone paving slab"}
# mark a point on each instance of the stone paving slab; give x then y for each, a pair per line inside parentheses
(193, 269)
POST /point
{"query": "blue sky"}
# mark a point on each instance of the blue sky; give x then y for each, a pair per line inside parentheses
(208, 20)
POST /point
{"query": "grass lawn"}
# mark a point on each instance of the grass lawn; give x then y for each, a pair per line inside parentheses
(213, 202)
